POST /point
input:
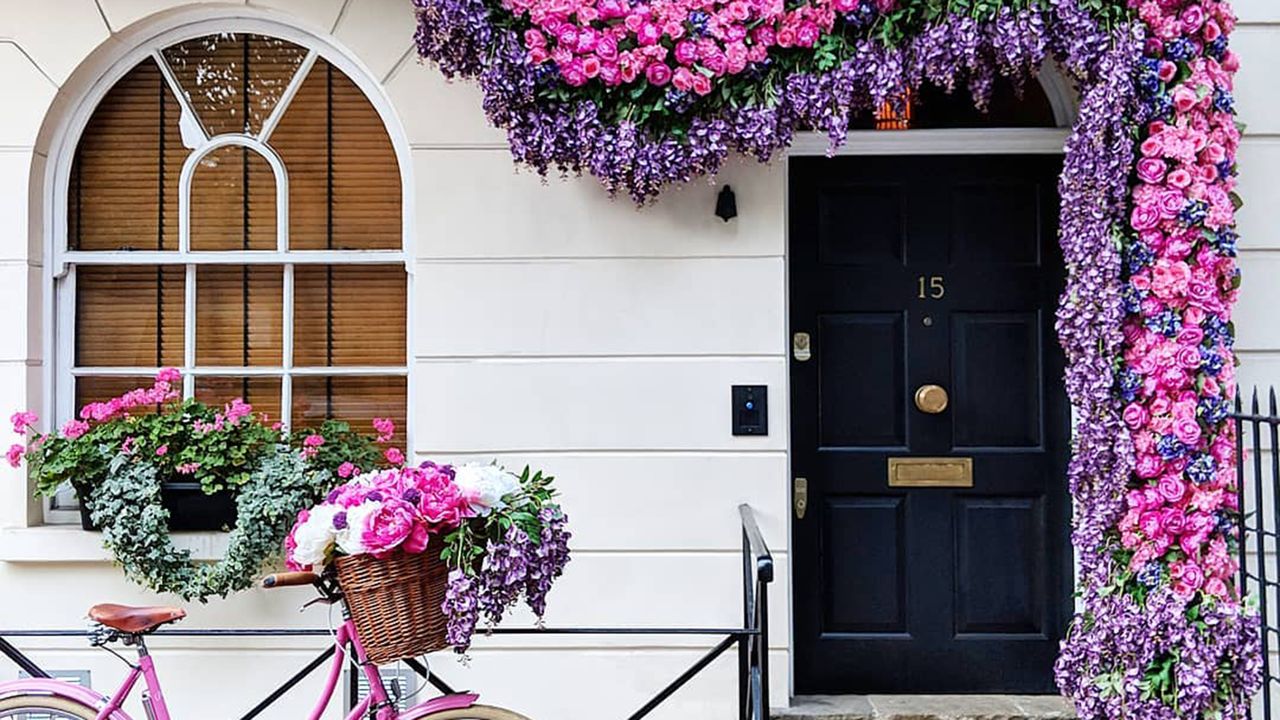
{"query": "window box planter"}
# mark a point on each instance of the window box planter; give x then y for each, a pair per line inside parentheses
(190, 509)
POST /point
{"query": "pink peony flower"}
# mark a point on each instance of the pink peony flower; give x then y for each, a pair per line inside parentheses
(394, 456)
(388, 526)
(162, 450)
(346, 470)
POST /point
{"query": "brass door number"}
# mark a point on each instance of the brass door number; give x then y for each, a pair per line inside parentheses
(931, 287)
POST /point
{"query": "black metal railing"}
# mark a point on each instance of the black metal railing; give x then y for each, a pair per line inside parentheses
(1258, 470)
(751, 639)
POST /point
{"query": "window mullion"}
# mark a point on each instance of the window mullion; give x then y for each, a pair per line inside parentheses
(286, 350)
(189, 332)
(287, 97)
(176, 88)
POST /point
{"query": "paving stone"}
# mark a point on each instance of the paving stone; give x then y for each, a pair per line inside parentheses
(827, 707)
(926, 707)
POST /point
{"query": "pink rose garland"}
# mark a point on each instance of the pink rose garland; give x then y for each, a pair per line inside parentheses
(688, 44)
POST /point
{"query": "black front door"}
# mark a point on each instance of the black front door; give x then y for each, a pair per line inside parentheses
(929, 424)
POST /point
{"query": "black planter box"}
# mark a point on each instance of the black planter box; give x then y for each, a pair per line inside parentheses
(188, 505)
(191, 509)
(86, 522)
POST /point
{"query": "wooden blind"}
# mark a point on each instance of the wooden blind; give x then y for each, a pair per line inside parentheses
(129, 315)
(349, 315)
(344, 180)
(344, 194)
(123, 187)
(239, 318)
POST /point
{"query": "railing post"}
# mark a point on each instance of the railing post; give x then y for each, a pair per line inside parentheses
(744, 664)
(1255, 424)
(1243, 550)
(762, 643)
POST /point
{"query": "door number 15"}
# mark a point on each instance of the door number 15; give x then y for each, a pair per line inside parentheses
(931, 287)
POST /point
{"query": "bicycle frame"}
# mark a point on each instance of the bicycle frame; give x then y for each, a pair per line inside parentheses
(153, 696)
(156, 708)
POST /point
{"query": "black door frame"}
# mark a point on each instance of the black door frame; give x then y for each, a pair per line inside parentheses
(1000, 141)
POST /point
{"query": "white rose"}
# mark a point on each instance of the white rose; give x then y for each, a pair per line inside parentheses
(350, 538)
(315, 536)
(486, 485)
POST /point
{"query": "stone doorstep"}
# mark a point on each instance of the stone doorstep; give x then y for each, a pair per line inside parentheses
(926, 707)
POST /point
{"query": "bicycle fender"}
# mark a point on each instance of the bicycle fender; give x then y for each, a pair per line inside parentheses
(459, 701)
(59, 688)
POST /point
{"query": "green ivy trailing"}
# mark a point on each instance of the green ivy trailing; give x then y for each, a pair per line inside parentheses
(135, 525)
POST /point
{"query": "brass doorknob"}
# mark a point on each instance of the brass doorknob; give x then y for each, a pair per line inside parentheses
(931, 399)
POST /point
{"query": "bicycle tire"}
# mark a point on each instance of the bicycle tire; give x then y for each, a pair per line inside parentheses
(476, 712)
(64, 707)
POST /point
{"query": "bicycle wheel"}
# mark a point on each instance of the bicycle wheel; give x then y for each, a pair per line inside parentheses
(476, 712)
(44, 707)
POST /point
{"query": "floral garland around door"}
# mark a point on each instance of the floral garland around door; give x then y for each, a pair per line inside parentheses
(643, 94)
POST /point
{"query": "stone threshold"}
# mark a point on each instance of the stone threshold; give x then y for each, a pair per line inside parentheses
(926, 707)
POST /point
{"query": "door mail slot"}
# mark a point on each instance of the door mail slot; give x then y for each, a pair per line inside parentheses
(931, 472)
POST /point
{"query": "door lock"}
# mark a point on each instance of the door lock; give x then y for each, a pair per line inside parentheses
(800, 497)
(800, 349)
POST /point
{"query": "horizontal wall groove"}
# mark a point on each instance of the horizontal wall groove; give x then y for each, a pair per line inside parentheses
(535, 259)
(545, 452)
(487, 147)
(531, 359)
(514, 357)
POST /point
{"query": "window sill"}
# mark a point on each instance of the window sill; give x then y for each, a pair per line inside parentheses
(70, 544)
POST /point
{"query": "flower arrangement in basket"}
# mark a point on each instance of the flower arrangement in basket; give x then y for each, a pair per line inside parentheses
(422, 552)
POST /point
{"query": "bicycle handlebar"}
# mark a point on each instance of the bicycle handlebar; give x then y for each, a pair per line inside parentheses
(290, 579)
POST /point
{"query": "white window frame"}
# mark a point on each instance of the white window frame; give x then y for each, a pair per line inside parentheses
(60, 274)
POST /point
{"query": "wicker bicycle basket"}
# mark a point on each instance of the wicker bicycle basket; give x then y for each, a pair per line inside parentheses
(395, 603)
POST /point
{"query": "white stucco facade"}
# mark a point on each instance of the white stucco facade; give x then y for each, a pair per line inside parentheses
(549, 325)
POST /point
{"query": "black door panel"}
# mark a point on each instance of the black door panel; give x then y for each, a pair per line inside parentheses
(905, 272)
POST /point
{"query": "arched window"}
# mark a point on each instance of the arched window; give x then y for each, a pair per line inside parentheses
(234, 210)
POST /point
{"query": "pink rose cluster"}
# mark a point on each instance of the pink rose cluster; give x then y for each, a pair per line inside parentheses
(1178, 377)
(377, 513)
(688, 44)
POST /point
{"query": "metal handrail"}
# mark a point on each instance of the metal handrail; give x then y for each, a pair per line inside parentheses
(1263, 424)
(752, 639)
(756, 544)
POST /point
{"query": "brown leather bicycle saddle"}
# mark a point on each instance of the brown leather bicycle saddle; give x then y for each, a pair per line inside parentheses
(130, 619)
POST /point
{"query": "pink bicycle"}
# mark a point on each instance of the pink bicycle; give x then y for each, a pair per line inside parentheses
(61, 700)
